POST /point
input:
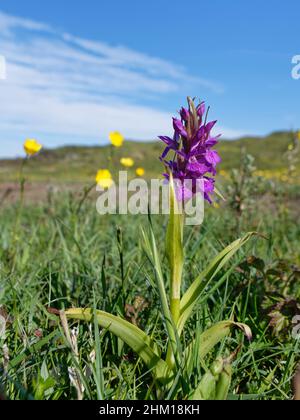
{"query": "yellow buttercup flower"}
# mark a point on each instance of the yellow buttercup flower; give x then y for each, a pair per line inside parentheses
(32, 147)
(127, 162)
(116, 139)
(140, 171)
(104, 178)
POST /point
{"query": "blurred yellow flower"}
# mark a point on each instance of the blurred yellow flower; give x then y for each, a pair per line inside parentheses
(104, 178)
(127, 162)
(116, 139)
(298, 135)
(32, 147)
(140, 171)
(291, 147)
(224, 174)
(216, 205)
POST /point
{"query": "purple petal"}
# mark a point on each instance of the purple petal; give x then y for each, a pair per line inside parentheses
(201, 109)
(176, 137)
(198, 150)
(201, 133)
(184, 113)
(212, 141)
(182, 192)
(198, 167)
(179, 128)
(209, 126)
(207, 198)
(182, 154)
(165, 152)
(167, 140)
(172, 145)
(209, 188)
(212, 157)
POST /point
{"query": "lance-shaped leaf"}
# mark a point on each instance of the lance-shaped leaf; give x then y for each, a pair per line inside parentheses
(192, 295)
(224, 383)
(134, 337)
(200, 347)
(206, 390)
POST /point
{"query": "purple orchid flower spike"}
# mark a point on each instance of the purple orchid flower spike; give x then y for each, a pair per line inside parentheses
(194, 159)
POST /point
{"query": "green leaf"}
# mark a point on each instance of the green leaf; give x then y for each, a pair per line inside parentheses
(192, 295)
(215, 384)
(135, 338)
(199, 348)
(206, 389)
(224, 383)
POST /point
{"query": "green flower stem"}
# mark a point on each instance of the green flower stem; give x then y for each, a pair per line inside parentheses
(175, 309)
(175, 313)
(21, 201)
(86, 192)
(175, 290)
(15, 232)
(111, 157)
(174, 251)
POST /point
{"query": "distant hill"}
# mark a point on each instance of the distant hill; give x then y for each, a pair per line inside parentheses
(79, 164)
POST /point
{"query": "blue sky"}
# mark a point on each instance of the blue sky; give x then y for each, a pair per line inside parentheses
(77, 70)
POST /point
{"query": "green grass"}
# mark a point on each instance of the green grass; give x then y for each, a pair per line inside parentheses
(53, 257)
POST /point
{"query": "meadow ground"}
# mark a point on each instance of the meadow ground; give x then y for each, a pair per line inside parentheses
(57, 254)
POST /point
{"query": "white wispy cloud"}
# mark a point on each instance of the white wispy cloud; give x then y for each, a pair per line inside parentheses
(8, 23)
(67, 89)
